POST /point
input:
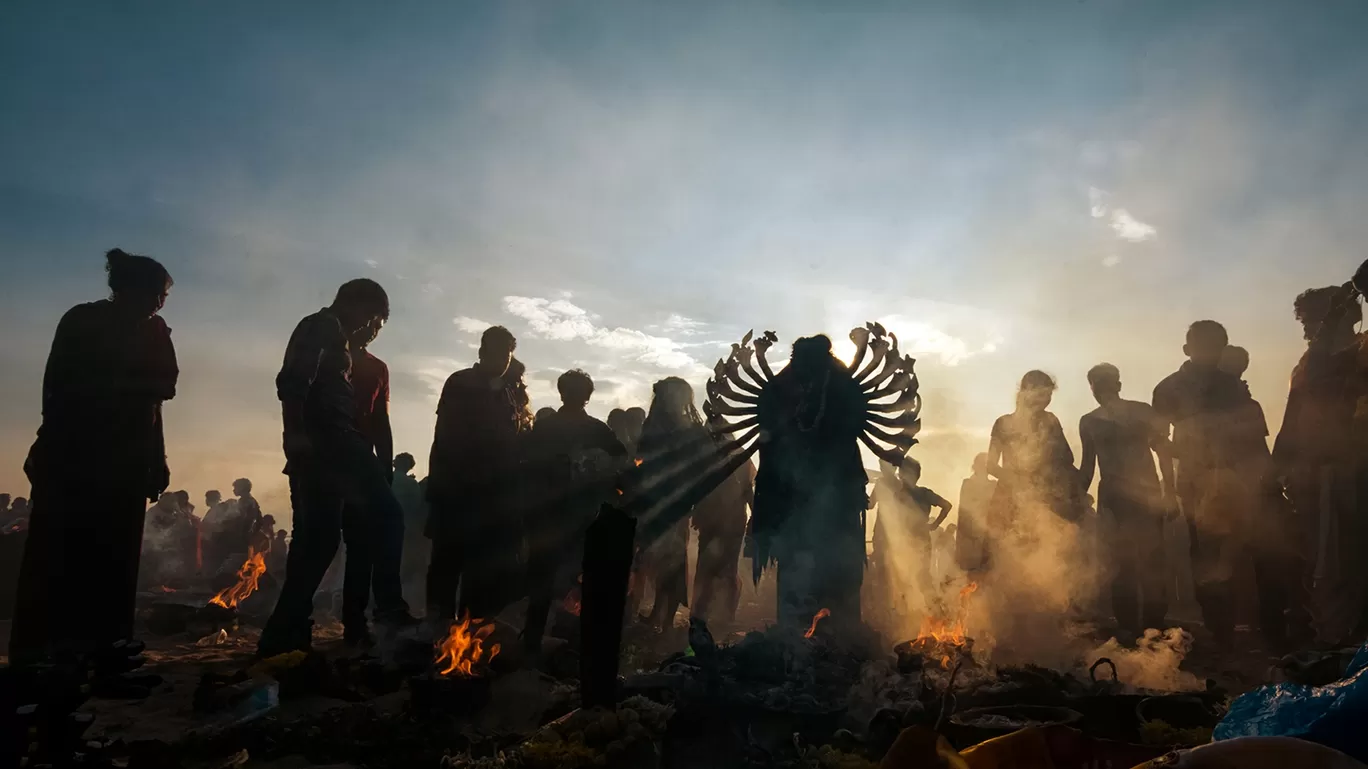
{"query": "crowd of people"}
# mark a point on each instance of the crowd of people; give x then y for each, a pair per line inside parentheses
(510, 494)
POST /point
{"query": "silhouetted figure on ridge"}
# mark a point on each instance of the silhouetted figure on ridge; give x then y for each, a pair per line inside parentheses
(111, 366)
(329, 462)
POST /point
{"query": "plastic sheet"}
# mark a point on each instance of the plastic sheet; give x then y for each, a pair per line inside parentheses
(1332, 715)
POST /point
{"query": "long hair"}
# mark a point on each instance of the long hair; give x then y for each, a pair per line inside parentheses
(672, 408)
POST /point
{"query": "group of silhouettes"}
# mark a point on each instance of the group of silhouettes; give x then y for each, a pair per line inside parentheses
(510, 495)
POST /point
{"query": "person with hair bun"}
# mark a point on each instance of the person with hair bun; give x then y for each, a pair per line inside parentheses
(1031, 458)
(111, 366)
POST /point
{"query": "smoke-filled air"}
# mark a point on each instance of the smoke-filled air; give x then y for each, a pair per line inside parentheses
(516, 385)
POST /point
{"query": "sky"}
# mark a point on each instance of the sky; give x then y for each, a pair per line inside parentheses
(631, 186)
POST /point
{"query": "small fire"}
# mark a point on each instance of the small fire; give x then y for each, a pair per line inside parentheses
(818, 617)
(638, 461)
(571, 602)
(248, 575)
(463, 647)
(946, 636)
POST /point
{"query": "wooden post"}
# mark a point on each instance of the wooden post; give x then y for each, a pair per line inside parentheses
(609, 546)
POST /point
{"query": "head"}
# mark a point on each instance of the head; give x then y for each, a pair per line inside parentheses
(242, 487)
(1234, 360)
(360, 305)
(183, 499)
(268, 523)
(543, 413)
(615, 421)
(404, 462)
(575, 387)
(981, 464)
(672, 404)
(212, 497)
(951, 529)
(167, 500)
(1105, 381)
(636, 417)
(1036, 391)
(4, 501)
(811, 355)
(20, 504)
(1313, 306)
(910, 472)
(280, 535)
(139, 283)
(496, 350)
(1206, 341)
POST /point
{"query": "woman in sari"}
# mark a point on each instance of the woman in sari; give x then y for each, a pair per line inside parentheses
(98, 460)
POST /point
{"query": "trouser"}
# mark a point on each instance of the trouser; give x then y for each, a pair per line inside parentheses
(79, 576)
(1140, 576)
(483, 563)
(343, 472)
(717, 586)
(358, 568)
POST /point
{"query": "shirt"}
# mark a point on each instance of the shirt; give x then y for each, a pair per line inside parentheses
(371, 386)
(475, 442)
(1199, 403)
(317, 370)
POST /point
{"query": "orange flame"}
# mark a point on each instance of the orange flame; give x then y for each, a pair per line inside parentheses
(462, 649)
(943, 635)
(638, 461)
(818, 617)
(571, 602)
(248, 575)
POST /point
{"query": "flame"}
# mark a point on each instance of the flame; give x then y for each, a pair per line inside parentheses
(944, 635)
(462, 648)
(818, 617)
(571, 602)
(248, 575)
(638, 461)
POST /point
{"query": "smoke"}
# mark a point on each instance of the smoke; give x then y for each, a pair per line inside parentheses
(1153, 663)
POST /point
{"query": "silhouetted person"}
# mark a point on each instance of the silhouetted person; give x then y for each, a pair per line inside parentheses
(1267, 527)
(544, 413)
(19, 511)
(576, 459)
(276, 560)
(111, 366)
(4, 508)
(474, 521)
(1122, 438)
(1031, 459)
(1322, 459)
(976, 499)
(720, 520)
(409, 491)
(1199, 401)
(329, 462)
(634, 421)
(905, 507)
(672, 435)
(362, 529)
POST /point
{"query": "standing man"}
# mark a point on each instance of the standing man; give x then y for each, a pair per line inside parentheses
(576, 459)
(976, 500)
(330, 464)
(409, 491)
(1199, 401)
(370, 384)
(474, 524)
(1121, 438)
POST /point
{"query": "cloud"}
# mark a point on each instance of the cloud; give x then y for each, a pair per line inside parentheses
(371, 263)
(470, 325)
(1122, 222)
(1129, 228)
(562, 321)
(681, 325)
(920, 339)
(1111, 260)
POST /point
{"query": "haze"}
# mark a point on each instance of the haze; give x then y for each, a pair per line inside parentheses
(629, 187)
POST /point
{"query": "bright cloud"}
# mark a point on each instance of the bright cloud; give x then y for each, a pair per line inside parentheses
(1122, 222)
(562, 321)
(920, 339)
(470, 325)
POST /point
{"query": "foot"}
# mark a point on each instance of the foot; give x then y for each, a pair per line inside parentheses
(276, 642)
(397, 620)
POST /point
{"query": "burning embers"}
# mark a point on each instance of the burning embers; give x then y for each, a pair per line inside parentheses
(818, 617)
(464, 648)
(249, 574)
(944, 638)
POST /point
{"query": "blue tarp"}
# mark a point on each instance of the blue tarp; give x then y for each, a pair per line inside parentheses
(1335, 715)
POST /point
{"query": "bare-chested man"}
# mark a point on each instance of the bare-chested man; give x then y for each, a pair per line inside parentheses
(1121, 438)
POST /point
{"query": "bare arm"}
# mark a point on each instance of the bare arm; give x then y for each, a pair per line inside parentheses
(945, 508)
(1163, 449)
(995, 458)
(1089, 464)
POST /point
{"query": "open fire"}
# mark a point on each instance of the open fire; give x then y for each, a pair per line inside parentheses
(464, 647)
(818, 617)
(249, 574)
(943, 637)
